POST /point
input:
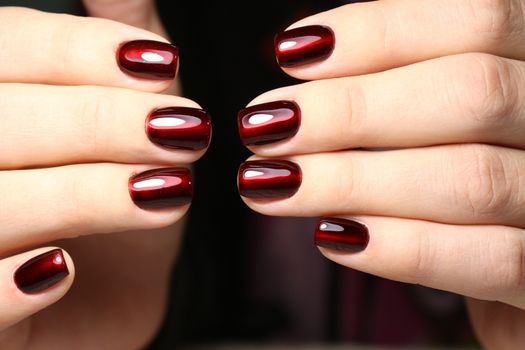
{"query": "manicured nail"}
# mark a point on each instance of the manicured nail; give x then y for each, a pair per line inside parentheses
(149, 59)
(341, 234)
(303, 45)
(161, 188)
(269, 122)
(269, 179)
(179, 128)
(41, 272)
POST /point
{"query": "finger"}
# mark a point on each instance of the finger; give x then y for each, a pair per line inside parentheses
(141, 14)
(496, 324)
(484, 262)
(458, 184)
(66, 125)
(375, 36)
(67, 50)
(132, 12)
(32, 281)
(84, 199)
(465, 98)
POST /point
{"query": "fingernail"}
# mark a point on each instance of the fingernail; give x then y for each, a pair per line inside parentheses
(303, 45)
(269, 179)
(149, 59)
(161, 188)
(268, 122)
(341, 234)
(179, 128)
(41, 272)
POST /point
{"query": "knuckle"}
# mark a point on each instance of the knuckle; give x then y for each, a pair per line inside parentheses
(483, 187)
(487, 90)
(73, 209)
(354, 111)
(496, 19)
(94, 114)
(504, 271)
(419, 264)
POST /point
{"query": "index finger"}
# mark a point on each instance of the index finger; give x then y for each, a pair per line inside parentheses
(374, 36)
(61, 49)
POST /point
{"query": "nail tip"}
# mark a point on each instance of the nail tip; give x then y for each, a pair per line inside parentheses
(308, 45)
(269, 179)
(273, 122)
(190, 128)
(41, 272)
(161, 188)
(148, 59)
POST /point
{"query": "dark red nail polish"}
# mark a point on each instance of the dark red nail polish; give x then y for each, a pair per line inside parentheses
(341, 234)
(180, 128)
(268, 122)
(269, 179)
(304, 45)
(41, 272)
(149, 59)
(161, 188)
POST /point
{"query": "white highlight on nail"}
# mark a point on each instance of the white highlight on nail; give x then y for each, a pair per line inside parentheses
(58, 260)
(323, 226)
(167, 121)
(287, 44)
(253, 173)
(149, 183)
(152, 57)
(261, 118)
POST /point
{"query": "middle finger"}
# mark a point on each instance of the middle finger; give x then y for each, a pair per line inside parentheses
(63, 125)
(465, 98)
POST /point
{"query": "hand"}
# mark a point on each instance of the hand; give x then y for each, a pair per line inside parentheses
(441, 80)
(72, 135)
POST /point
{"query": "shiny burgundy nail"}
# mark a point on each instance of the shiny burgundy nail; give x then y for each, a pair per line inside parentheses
(41, 272)
(161, 188)
(269, 179)
(304, 45)
(268, 122)
(341, 234)
(149, 59)
(179, 128)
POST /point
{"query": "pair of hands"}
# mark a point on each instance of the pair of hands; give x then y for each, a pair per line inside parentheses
(439, 80)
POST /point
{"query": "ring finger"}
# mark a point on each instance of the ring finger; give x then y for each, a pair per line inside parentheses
(459, 184)
(41, 205)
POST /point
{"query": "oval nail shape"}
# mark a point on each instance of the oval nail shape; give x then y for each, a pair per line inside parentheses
(270, 179)
(304, 45)
(41, 272)
(161, 188)
(268, 122)
(341, 234)
(149, 59)
(182, 128)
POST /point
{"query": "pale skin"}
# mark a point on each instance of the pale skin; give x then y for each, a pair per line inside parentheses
(82, 136)
(441, 79)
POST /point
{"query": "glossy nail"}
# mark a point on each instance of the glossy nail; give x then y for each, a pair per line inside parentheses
(149, 59)
(269, 179)
(179, 128)
(341, 234)
(41, 272)
(268, 122)
(304, 45)
(161, 188)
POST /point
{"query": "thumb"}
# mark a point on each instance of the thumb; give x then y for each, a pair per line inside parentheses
(138, 13)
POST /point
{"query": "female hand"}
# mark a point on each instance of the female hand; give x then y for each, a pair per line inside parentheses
(74, 136)
(443, 81)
